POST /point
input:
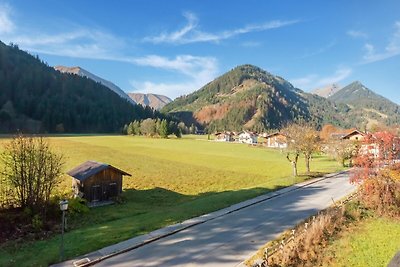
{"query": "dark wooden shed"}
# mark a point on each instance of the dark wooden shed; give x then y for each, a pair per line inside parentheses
(95, 181)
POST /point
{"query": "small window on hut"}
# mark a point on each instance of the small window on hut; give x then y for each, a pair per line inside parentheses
(113, 189)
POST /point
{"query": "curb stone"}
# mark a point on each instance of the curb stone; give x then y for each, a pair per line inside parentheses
(139, 241)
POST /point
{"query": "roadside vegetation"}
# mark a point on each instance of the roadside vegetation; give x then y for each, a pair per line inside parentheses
(173, 180)
(372, 243)
(361, 232)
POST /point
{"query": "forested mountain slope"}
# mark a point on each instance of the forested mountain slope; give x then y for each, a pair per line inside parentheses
(36, 98)
(249, 97)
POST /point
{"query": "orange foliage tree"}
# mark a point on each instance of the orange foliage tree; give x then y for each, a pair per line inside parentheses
(377, 170)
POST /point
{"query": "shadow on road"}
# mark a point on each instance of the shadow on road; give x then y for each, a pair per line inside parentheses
(220, 241)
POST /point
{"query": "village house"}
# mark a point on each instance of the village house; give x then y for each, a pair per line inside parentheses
(355, 135)
(276, 140)
(95, 181)
(248, 137)
(224, 137)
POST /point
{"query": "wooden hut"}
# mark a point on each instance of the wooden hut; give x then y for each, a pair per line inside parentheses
(95, 181)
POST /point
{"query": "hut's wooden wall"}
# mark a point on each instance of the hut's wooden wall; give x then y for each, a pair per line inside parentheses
(107, 183)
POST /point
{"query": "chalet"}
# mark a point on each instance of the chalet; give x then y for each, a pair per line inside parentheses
(248, 137)
(355, 135)
(276, 140)
(337, 136)
(95, 181)
(224, 137)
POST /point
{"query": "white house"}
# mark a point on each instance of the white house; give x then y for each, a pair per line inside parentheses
(248, 137)
(224, 137)
(276, 140)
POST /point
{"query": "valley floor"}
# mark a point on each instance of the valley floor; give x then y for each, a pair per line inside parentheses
(172, 180)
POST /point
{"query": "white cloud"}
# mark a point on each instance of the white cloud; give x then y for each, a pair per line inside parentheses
(357, 34)
(78, 43)
(187, 64)
(6, 24)
(313, 81)
(191, 34)
(171, 90)
(197, 72)
(392, 48)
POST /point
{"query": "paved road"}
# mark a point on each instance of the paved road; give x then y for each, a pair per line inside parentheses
(228, 240)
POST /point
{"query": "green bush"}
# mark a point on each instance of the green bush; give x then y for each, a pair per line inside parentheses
(77, 206)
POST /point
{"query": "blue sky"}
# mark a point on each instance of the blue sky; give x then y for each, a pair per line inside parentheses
(175, 47)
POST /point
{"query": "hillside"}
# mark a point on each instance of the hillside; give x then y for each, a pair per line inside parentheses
(152, 100)
(366, 106)
(84, 73)
(249, 97)
(36, 98)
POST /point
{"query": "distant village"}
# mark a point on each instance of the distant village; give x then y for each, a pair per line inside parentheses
(279, 140)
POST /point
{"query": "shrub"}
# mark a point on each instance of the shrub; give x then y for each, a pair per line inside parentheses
(382, 192)
(77, 206)
(32, 170)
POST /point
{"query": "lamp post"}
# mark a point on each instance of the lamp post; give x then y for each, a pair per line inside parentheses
(63, 208)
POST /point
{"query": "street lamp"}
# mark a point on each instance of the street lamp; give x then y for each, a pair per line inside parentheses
(63, 208)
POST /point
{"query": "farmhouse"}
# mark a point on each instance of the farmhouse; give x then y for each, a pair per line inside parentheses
(248, 137)
(355, 135)
(224, 137)
(95, 181)
(276, 140)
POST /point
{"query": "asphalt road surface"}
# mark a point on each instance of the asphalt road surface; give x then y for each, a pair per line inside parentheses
(230, 239)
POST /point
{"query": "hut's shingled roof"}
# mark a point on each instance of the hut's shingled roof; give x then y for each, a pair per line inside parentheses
(90, 168)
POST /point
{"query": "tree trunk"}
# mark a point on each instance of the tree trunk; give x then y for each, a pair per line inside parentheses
(293, 162)
(294, 165)
(307, 158)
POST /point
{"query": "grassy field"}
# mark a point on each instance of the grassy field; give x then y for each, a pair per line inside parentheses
(372, 244)
(172, 180)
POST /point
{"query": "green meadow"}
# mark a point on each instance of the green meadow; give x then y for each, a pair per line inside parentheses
(172, 180)
(373, 243)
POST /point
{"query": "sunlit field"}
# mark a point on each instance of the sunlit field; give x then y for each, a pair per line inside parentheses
(172, 180)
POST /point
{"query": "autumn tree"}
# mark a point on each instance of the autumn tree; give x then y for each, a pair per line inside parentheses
(341, 150)
(378, 173)
(377, 150)
(326, 131)
(32, 169)
(302, 139)
(148, 127)
(293, 152)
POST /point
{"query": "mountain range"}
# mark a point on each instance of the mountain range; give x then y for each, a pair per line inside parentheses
(251, 98)
(84, 73)
(37, 98)
(327, 91)
(152, 100)
(366, 105)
